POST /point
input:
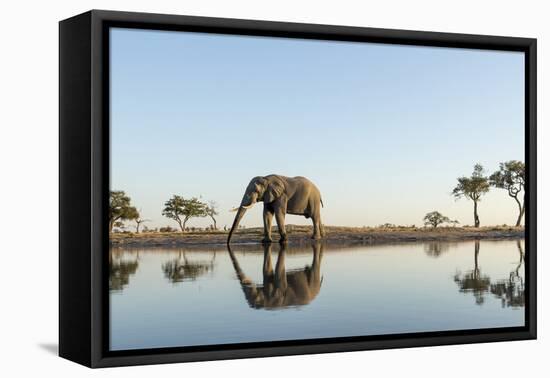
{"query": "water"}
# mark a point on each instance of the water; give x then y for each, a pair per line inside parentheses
(181, 297)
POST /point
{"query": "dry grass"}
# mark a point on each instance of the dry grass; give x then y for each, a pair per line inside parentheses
(338, 234)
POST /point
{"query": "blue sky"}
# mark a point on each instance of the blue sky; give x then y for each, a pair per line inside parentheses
(382, 130)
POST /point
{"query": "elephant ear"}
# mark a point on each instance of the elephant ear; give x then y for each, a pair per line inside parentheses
(274, 190)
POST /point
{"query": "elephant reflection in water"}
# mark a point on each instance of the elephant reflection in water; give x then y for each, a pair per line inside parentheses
(182, 269)
(512, 290)
(281, 289)
(474, 282)
(120, 270)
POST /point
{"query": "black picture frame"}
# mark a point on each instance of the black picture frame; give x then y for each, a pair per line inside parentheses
(84, 186)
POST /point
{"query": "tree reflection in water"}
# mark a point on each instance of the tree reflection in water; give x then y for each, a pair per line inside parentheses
(511, 291)
(436, 248)
(120, 270)
(281, 288)
(474, 282)
(182, 269)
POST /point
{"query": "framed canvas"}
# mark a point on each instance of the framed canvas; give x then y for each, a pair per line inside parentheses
(396, 172)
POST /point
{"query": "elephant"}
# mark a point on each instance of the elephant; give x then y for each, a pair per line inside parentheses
(281, 289)
(281, 195)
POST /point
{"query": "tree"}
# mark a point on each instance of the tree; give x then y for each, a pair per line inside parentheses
(454, 222)
(435, 218)
(137, 218)
(511, 177)
(212, 211)
(119, 227)
(181, 209)
(120, 208)
(473, 188)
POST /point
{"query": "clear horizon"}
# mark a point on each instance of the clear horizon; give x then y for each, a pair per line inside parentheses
(383, 130)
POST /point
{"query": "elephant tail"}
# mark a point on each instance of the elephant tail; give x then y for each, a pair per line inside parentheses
(321, 200)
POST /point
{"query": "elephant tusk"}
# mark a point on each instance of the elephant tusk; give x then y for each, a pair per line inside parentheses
(246, 207)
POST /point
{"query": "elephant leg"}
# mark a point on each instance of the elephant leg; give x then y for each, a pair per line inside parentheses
(280, 217)
(268, 217)
(268, 267)
(316, 219)
(315, 277)
(280, 272)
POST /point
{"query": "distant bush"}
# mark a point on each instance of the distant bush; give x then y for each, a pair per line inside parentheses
(167, 229)
(149, 230)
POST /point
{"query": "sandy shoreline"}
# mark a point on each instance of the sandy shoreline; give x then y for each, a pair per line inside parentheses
(334, 235)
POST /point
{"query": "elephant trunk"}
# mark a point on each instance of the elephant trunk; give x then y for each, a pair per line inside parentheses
(240, 274)
(238, 217)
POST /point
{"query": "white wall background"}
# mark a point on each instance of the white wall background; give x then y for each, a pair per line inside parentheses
(28, 156)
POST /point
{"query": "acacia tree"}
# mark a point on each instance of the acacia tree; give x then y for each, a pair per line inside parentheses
(139, 220)
(435, 218)
(511, 177)
(473, 188)
(212, 211)
(454, 222)
(120, 208)
(181, 209)
(120, 225)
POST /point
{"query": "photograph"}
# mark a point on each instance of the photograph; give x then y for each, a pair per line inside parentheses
(266, 189)
(239, 188)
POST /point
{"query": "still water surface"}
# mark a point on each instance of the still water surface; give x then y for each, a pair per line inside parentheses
(181, 297)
